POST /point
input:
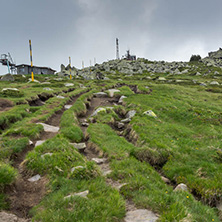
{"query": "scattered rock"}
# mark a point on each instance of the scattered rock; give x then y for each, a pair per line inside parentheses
(67, 106)
(112, 92)
(39, 142)
(75, 168)
(100, 109)
(46, 154)
(150, 113)
(121, 99)
(100, 95)
(68, 84)
(161, 79)
(49, 128)
(203, 84)
(131, 114)
(120, 125)
(99, 160)
(48, 89)
(34, 178)
(166, 180)
(140, 215)
(85, 124)
(30, 143)
(79, 146)
(9, 89)
(214, 83)
(182, 187)
(7, 77)
(81, 194)
(60, 97)
(127, 120)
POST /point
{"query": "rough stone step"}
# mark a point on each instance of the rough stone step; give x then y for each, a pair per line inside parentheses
(112, 92)
(49, 128)
(99, 160)
(39, 142)
(79, 146)
(34, 178)
(100, 95)
(140, 215)
(67, 106)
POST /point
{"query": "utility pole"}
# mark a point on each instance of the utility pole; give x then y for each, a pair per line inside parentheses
(117, 48)
(30, 46)
(70, 67)
(83, 65)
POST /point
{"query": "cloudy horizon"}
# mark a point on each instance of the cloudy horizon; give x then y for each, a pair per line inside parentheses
(170, 30)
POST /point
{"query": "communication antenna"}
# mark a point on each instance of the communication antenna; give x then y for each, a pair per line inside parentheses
(117, 48)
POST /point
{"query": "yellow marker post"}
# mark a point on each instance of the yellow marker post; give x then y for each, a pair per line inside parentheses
(83, 65)
(70, 67)
(30, 46)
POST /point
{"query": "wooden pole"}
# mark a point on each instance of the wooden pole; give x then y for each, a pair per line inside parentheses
(30, 45)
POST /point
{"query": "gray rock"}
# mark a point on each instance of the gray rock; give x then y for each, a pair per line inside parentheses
(140, 215)
(9, 89)
(100, 109)
(77, 167)
(203, 84)
(120, 125)
(131, 114)
(30, 142)
(100, 94)
(162, 79)
(34, 178)
(7, 77)
(67, 107)
(46, 154)
(112, 92)
(35, 80)
(99, 160)
(214, 83)
(166, 180)
(81, 194)
(45, 83)
(121, 99)
(60, 97)
(68, 84)
(48, 89)
(150, 113)
(39, 142)
(182, 187)
(127, 120)
(48, 128)
(79, 146)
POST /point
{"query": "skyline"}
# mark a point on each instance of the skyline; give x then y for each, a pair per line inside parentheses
(87, 29)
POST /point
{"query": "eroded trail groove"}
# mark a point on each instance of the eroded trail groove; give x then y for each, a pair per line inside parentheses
(28, 189)
(92, 153)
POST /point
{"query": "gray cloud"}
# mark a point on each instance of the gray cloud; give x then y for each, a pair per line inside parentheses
(84, 29)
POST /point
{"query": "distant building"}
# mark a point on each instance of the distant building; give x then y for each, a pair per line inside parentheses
(129, 57)
(26, 69)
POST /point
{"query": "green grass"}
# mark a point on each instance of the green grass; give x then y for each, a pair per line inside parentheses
(7, 174)
(103, 203)
(144, 185)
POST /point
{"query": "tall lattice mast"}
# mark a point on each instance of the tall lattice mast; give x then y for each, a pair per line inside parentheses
(117, 48)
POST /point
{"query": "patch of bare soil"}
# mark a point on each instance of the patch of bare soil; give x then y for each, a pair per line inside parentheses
(23, 195)
(5, 104)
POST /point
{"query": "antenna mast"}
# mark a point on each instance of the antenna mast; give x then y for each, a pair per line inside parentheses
(117, 48)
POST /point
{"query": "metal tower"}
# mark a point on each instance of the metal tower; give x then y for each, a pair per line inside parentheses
(117, 48)
(7, 60)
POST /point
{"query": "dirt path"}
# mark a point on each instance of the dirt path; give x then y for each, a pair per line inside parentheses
(23, 194)
(91, 153)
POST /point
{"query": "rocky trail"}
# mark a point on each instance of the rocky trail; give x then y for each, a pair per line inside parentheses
(29, 189)
(133, 214)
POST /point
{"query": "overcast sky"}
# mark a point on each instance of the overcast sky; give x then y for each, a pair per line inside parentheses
(170, 30)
